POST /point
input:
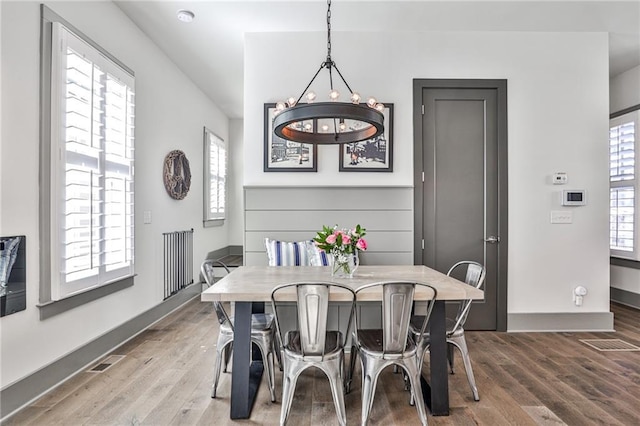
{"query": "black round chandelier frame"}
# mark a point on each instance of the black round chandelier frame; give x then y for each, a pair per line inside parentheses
(368, 120)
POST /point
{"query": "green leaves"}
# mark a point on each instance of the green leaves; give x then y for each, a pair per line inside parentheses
(331, 239)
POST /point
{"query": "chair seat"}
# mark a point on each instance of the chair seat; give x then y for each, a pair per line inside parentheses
(416, 323)
(371, 343)
(259, 322)
(331, 347)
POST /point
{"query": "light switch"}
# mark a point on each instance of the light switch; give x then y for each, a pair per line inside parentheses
(146, 217)
(561, 216)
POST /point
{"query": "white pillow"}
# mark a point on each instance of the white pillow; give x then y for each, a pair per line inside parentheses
(284, 253)
(316, 256)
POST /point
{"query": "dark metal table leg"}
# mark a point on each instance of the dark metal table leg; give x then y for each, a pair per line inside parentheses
(437, 392)
(246, 375)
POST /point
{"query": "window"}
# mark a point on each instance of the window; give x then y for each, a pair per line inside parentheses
(92, 186)
(624, 192)
(215, 179)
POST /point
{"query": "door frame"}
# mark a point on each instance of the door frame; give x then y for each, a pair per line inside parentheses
(501, 87)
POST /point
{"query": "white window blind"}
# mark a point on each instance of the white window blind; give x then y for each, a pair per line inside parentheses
(623, 172)
(215, 185)
(92, 186)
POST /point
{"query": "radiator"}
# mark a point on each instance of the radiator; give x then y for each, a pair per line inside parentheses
(178, 261)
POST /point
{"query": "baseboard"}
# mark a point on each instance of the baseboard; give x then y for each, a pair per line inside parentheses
(23, 392)
(625, 297)
(565, 321)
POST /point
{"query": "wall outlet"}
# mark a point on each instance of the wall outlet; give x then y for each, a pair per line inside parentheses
(561, 216)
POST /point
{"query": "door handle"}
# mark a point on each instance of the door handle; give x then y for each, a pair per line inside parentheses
(492, 240)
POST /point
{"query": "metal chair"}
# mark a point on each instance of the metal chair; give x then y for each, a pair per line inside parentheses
(391, 345)
(262, 334)
(310, 343)
(474, 276)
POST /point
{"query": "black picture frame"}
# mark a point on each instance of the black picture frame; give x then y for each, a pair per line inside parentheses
(13, 297)
(371, 155)
(281, 155)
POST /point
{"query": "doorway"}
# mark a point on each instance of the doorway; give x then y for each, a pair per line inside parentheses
(460, 181)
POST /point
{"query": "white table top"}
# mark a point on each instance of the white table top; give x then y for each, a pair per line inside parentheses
(255, 283)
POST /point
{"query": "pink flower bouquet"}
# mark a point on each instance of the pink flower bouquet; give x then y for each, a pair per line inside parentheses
(342, 245)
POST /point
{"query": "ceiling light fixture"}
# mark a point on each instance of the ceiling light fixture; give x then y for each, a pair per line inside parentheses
(334, 122)
(185, 15)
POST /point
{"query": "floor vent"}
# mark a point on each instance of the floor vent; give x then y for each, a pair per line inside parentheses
(606, 345)
(105, 364)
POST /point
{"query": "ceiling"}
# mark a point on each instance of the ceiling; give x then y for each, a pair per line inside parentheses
(210, 50)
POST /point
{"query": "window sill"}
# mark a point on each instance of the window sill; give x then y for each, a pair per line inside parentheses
(55, 307)
(212, 223)
(627, 263)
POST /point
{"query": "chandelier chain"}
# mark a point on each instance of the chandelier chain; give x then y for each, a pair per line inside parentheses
(329, 30)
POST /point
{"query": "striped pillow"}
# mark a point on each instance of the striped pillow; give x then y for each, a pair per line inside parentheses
(284, 253)
(297, 253)
(318, 257)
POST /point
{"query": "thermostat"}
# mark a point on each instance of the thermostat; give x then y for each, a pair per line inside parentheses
(559, 178)
(574, 197)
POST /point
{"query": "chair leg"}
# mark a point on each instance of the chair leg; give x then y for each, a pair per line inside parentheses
(272, 369)
(352, 366)
(289, 379)
(461, 344)
(450, 357)
(267, 360)
(422, 353)
(413, 372)
(370, 374)
(227, 357)
(276, 349)
(337, 385)
(220, 354)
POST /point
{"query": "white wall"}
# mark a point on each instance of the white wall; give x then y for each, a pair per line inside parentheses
(625, 90)
(625, 93)
(554, 124)
(170, 114)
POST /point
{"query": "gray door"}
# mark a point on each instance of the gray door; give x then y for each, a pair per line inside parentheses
(461, 200)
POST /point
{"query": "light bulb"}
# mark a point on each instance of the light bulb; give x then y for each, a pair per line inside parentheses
(343, 127)
(380, 107)
(307, 127)
(372, 102)
(324, 128)
(291, 101)
(280, 106)
(311, 96)
(334, 95)
(355, 98)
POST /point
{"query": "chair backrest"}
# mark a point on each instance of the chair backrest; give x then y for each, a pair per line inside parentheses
(397, 307)
(474, 276)
(207, 269)
(312, 312)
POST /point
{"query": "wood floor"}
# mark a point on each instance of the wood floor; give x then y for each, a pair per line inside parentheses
(165, 377)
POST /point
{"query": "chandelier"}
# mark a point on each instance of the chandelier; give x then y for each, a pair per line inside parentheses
(330, 122)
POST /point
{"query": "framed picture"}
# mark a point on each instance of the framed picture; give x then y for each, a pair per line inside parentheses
(371, 155)
(281, 155)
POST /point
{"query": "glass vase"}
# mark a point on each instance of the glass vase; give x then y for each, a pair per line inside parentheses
(344, 265)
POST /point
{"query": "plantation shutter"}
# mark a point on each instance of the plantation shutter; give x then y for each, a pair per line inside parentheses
(93, 131)
(623, 193)
(216, 179)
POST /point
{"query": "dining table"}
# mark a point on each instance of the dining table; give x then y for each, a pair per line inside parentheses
(250, 287)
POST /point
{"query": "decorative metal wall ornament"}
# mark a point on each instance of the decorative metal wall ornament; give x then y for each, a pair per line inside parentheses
(176, 174)
(336, 122)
